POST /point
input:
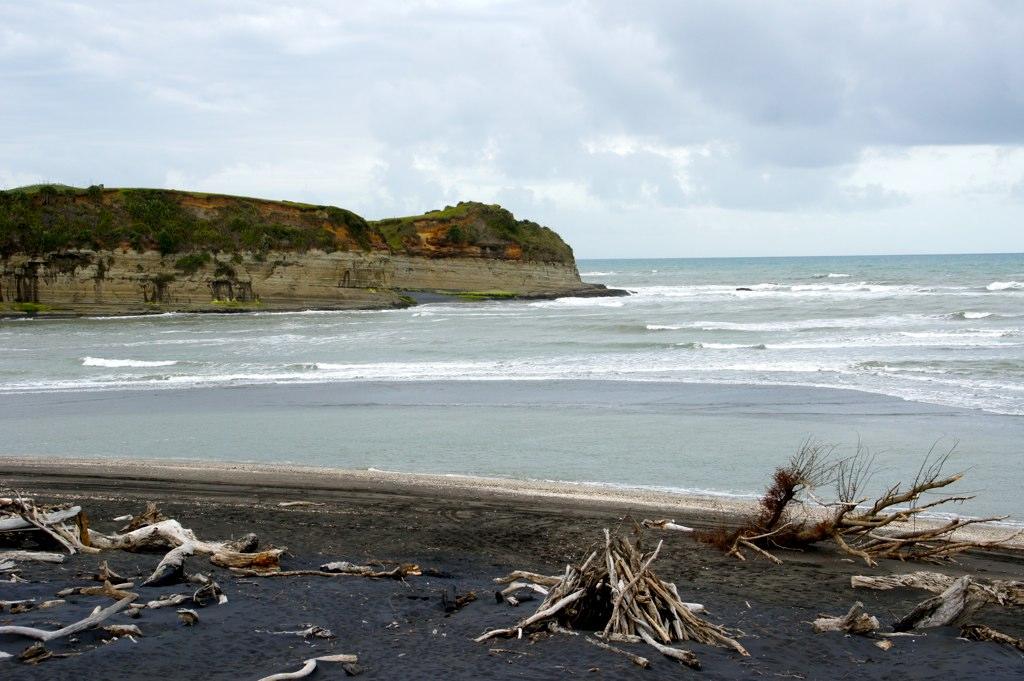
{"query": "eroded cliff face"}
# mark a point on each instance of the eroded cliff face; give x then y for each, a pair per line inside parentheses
(65, 250)
(130, 282)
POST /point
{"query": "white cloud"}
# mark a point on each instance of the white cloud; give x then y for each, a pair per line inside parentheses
(940, 171)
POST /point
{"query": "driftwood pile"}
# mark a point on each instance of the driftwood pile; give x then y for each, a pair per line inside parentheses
(956, 603)
(68, 526)
(616, 594)
(791, 515)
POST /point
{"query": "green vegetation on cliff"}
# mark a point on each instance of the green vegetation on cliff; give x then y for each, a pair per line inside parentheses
(486, 226)
(46, 218)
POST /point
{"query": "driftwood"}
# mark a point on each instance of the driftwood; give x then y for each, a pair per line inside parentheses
(290, 504)
(15, 607)
(167, 601)
(19, 514)
(1002, 592)
(508, 593)
(97, 616)
(543, 580)
(341, 569)
(953, 606)
(264, 560)
(312, 631)
(188, 616)
(665, 524)
(309, 666)
(208, 591)
(398, 572)
(980, 632)
(166, 534)
(150, 516)
(35, 556)
(457, 601)
(791, 516)
(105, 574)
(114, 591)
(855, 621)
(638, 660)
(171, 568)
(15, 523)
(615, 592)
(120, 630)
(685, 657)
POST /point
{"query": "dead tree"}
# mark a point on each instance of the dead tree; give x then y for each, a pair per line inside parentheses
(791, 516)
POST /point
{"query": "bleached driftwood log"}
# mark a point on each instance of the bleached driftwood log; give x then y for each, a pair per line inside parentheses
(15, 523)
(543, 580)
(309, 666)
(166, 534)
(665, 524)
(20, 514)
(270, 559)
(1003, 592)
(855, 621)
(952, 606)
(171, 568)
(36, 556)
(686, 657)
(97, 616)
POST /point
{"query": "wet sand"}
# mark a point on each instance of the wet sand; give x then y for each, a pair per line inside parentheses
(474, 531)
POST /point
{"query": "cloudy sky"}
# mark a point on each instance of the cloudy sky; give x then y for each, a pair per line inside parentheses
(635, 129)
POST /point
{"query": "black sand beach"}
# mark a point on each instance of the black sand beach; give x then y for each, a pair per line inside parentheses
(400, 630)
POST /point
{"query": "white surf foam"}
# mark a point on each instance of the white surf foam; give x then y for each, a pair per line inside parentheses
(1005, 286)
(119, 363)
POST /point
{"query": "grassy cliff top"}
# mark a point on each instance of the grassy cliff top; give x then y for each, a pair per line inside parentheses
(44, 218)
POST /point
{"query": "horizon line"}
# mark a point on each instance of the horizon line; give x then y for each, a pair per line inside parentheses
(840, 255)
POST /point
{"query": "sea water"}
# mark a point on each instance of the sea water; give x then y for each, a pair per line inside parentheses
(936, 341)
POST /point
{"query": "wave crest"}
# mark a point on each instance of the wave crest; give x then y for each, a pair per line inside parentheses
(121, 363)
(1005, 286)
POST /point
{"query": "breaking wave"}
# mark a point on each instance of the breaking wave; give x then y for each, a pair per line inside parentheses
(120, 363)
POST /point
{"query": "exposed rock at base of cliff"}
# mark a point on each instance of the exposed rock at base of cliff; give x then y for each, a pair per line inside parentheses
(132, 251)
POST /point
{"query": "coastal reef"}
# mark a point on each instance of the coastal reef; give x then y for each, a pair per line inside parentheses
(73, 251)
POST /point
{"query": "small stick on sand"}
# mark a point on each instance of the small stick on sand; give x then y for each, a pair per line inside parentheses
(639, 661)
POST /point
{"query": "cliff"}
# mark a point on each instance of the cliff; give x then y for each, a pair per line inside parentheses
(65, 250)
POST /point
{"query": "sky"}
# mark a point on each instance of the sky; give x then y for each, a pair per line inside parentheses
(634, 129)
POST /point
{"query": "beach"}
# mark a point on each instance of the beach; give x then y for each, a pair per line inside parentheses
(472, 531)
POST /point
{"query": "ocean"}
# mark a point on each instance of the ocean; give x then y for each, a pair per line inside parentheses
(710, 373)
